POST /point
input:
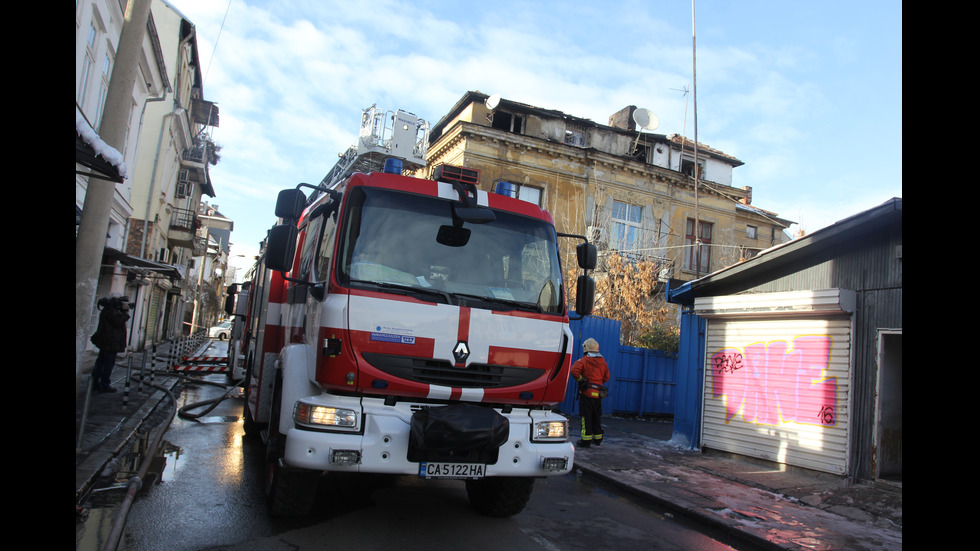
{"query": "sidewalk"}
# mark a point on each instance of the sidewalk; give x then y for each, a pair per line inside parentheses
(113, 422)
(788, 509)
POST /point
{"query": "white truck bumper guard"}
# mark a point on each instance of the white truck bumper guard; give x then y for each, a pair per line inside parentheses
(380, 443)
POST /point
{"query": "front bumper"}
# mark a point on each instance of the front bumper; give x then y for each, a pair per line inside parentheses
(381, 442)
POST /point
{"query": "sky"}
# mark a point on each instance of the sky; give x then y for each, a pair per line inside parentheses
(807, 94)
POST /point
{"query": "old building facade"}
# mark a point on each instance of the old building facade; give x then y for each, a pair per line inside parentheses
(170, 181)
(155, 229)
(629, 191)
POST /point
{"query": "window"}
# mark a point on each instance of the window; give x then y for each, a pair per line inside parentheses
(103, 89)
(317, 245)
(641, 152)
(698, 255)
(326, 245)
(687, 167)
(308, 238)
(184, 189)
(524, 193)
(625, 227)
(575, 137)
(508, 121)
(751, 232)
(87, 64)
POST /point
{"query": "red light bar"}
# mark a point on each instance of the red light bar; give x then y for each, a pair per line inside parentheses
(450, 173)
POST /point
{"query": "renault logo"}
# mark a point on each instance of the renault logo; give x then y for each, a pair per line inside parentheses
(461, 352)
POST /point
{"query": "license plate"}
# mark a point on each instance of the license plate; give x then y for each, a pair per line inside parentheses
(452, 470)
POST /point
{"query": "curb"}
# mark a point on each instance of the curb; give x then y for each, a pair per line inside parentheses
(91, 468)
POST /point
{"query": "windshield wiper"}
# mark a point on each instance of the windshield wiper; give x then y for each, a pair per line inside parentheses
(406, 289)
(514, 305)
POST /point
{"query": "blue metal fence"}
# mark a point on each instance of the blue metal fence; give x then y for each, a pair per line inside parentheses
(642, 381)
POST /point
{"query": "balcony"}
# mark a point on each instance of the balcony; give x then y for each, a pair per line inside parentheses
(197, 156)
(194, 166)
(183, 228)
(200, 245)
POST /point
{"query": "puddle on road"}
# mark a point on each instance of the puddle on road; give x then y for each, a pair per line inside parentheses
(219, 419)
(94, 517)
(96, 513)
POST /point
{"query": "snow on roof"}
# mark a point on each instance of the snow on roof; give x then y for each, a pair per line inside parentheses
(102, 149)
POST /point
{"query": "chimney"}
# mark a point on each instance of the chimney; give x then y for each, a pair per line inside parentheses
(747, 200)
(623, 118)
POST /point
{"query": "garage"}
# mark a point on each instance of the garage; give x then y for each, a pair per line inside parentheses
(795, 355)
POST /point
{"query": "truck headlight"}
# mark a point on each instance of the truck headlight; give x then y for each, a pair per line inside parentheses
(324, 416)
(555, 431)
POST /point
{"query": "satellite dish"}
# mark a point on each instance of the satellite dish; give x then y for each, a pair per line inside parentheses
(493, 101)
(645, 119)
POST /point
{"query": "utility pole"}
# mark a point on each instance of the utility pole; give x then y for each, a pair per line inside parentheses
(697, 199)
(90, 242)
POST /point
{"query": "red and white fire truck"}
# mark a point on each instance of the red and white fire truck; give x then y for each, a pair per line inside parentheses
(405, 326)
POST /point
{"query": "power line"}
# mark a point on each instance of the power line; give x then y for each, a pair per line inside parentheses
(215, 49)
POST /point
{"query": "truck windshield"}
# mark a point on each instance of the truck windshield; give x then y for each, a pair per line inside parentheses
(389, 243)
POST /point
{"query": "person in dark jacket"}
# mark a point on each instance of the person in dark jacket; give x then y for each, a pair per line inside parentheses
(110, 339)
(591, 373)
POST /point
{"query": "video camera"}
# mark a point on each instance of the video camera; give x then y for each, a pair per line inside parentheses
(112, 302)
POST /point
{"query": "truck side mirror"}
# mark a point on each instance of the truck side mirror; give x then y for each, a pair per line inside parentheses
(584, 295)
(231, 290)
(280, 248)
(587, 256)
(290, 204)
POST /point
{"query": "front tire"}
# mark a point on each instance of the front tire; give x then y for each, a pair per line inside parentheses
(500, 496)
(250, 426)
(290, 492)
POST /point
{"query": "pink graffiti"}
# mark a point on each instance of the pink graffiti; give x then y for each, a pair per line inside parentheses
(771, 384)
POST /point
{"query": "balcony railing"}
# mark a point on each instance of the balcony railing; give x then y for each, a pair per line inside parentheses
(197, 155)
(184, 220)
(200, 245)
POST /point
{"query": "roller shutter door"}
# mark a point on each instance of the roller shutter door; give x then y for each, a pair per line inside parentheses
(151, 319)
(777, 386)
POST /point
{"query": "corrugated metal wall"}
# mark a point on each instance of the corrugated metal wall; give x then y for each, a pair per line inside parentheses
(690, 380)
(642, 381)
(876, 309)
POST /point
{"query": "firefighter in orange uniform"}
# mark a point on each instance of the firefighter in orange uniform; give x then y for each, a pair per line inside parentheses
(591, 373)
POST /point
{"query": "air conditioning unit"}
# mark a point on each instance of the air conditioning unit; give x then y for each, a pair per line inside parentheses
(184, 189)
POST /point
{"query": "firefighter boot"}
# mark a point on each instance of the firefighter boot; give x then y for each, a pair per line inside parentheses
(583, 444)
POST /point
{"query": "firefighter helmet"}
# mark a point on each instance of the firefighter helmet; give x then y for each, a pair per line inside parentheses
(590, 345)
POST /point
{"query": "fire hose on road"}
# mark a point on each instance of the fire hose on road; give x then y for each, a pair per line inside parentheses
(136, 482)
